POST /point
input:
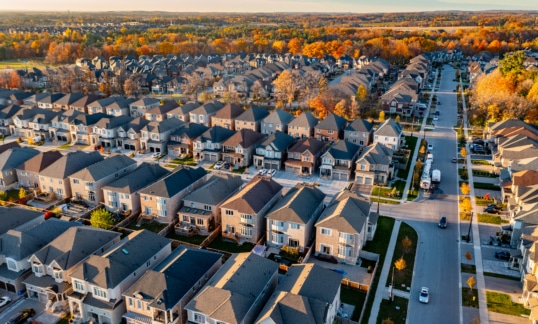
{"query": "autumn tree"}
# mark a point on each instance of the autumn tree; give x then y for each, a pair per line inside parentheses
(15, 80)
(318, 105)
(101, 218)
(22, 193)
(130, 87)
(286, 86)
(381, 116)
(471, 282)
(465, 189)
(340, 109)
(295, 46)
(465, 205)
(468, 256)
(400, 264)
(512, 63)
(406, 244)
(463, 153)
(387, 321)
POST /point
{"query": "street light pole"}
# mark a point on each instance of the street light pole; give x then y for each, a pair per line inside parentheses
(469, 231)
(391, 297)
(378, 197)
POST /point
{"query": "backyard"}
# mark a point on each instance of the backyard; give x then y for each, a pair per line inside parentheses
(352, 296)
(502, 303)
(229, 246)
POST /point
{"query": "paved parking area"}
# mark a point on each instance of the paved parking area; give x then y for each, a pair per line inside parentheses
(16, 305)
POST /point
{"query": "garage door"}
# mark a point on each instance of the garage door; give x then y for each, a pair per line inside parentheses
(213, 158)
(368, 181)
(360, 180)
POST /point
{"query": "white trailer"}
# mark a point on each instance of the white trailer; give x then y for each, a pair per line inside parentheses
(436, 176)
(425, 179)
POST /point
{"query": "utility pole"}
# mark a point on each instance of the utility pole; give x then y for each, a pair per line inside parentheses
(469, 231)
(378, 197)
(391, 295)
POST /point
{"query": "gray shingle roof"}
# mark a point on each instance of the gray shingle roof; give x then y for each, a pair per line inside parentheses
(253, 114)
(254, 196)
(245, 138)
(11, 218)
(347, 213)
(279, 141)
(343, 150)
(14, 157)
(71, 163)
(229, 111)
(104, 168)
(389, 128)
(376, 154)
(309, 144)
(40, 161)
(216, 189)
(278, 117)
(298, 205)
(306, 119)
(144, 175)
(360, 125)
(332, 122)
(174, 183)
(216, 134)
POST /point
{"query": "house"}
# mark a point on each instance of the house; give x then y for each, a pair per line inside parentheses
(202, 115)
(48, 101)
(243, 214)
(201, 210)
(161, 200)
(303, 156)
(30, 123)
(25, 217)
(87, 183)
(28, 172)
(251, 119)
(390, 134)
(239, 148)
(277, 121)
(107, 129)
(161, 294)
(60, 129)
(182, 112)
(123, 194)
(159, 113)
(6, 118)
(11, 159)
(140, 107)
(53, 264)
(182, 140)
(272, 152)
(226, 116)
(331, 128)
(208, 146)
(20, 243)
(401, 98)
(339, 161)
(120, 107)
(374, 165)
(359, 132)
(81, 105)
(303, 125)
(82, 128)
(129, 135)
(516, 147)
(66, 101)
(291, 221)
(307, 293)
(99, 282)
(54, 179)
(156, 135)
(237, 292)
(343, 228)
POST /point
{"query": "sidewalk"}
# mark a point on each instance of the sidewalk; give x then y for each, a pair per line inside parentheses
(387, 264)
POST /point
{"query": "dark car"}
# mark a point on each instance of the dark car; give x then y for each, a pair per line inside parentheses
(22, 316)
(454, 160)
(442, 222)
(494, 206)
(479, 150)
(491, 210)
(478, 142)
(502, 255)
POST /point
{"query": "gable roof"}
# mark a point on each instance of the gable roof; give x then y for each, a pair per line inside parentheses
(376, 154)
(306, 119)
(216, 189)
(309, 144)
(40, 161)
(332, 122)
(278, 141)
(253, 196)
(342, 150)
(71, 163)
(14, 157)
(216, 134)
(191, 130)
(389, 128)
(23, 215)
(253, 114)
(69, 99)
(278, 117)
(347, 213)
(360, 125)
(7, 146)
(144, 175)
(298, 205)
(229, 111)
(175, 182)
(104, 168)
(244, 138)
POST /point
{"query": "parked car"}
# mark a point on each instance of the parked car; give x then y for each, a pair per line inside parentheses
(22, 316)
(219, 165)
(435, 118)
(4, 300)
(442, 222)
(502, 255)
(156, 155)
(494, 206)
(478, 142)
(454, 160)
(226, 165)
(491, 210)
(437, 113)
(262, 172)
(272, 172)
(424, 296)
(430, 147)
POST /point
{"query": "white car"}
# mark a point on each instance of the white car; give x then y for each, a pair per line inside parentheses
(430, 147)
(262, 172)
(219, 165)
(424, 296)
(4, 300)
(435, 118)
(272, 172)
(156, 155)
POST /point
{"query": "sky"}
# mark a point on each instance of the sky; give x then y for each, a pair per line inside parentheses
(357, 6)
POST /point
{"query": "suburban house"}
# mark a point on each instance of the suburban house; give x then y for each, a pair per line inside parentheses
(53, 264)
(55, 178)
(331, 128)
(302, 125)
(162, 199)
(61, 124)
(81, 105)
(273, 151)
(202, 115)
(374, 165)
(243, 214)
(107, 129)
(182, 112)
(182, 140)
(401, 97)
(159, 113)
(66, 101)
(291, 221)
(307, 293)
(87, 184)
(390, 134)
(100, 281)
(28, 172)
(277, 121)
(47, 102)
(516, 147)
(19, 244)
(30, 123)
(6, 118)
(251, 119)
(339, 161)
(239, 148)
(11, 159)
(25, 217)
(201, 210)
(120, 107)
(237, 292)
(208, 146)
(156, 135)
(161, 294)
(226, 116)
(343, 228)
(82, 129)
(123, 194)
(304, 155)
(129, 135)
(140, 107)
(359, 132)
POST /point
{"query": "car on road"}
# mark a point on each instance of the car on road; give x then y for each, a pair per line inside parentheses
(430, 147)
(4, 300)
(219, 165)
(424, 296)
(502, 255)
(435, 118)
(437, 113)
(442, 222)
(439, 103)
(454, 160)
(21, 316)
(491, 210)
(272, 172)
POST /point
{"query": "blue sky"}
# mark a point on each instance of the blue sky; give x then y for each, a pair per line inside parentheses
(359, 6)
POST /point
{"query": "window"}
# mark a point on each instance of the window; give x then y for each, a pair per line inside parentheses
(246, 230)
(199, 318)
(325, 231)
(295, 226)
(325, 249)
(138, 304)
(130, 301)
(98, 292)
(79, 286)
(200, 221)
(75, 181)
(91, 196)
(58, 274)
(229, 212)
(12, 265)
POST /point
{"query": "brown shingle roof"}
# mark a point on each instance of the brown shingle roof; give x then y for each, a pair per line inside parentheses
(254, 196)
(40, 161)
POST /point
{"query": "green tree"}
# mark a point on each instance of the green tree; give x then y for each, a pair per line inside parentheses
(512, 63)
(102, 218)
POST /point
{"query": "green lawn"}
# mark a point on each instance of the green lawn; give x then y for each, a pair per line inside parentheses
(487, 186)
(185, 161)
(195, 239)
(491, 219)
(498, 275)
(468, 268)
(155, 227)
(64, 146)
(404, 276)
(389, 310)
(228, 246)
(379, 246)
(482, 173)
(21, 64)
(480, 201)
(411, 142)
(353, 297)
(481, 162)
(469, 299)
(502, 303)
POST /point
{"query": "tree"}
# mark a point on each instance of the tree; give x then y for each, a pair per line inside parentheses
(471, 282)
(463, 153)
(397, 119)
(381, 116)
(295, 45)
(340, 108)
(387, 321)
(286, 86)
(406, 244)
(400, 264)
(102, 218)
(465, 204)
(468, 256)
(512, 63)
(22, 193)
(15, 80)
(465, 189)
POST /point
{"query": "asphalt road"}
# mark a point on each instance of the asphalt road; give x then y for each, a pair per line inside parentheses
(437, 264)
